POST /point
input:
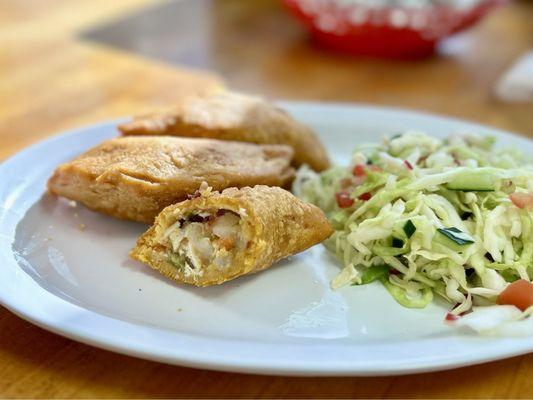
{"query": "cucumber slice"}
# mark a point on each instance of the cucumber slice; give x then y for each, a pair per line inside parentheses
(453, 238)
(400, 295)
(409, 228)
(475, 181)
(459, 237)
(397, 243)
(374, 273)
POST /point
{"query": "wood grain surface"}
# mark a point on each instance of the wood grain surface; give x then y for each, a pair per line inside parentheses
(51, 80)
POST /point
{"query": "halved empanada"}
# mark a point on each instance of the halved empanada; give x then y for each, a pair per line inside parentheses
(216, 236)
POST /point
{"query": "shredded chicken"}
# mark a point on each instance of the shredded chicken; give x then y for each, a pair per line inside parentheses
(205, 239)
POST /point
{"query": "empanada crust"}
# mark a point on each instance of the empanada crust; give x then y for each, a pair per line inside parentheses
(234, 116)
(136, 177)
(278, 223)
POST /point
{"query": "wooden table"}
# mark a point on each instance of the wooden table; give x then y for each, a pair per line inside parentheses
(52, 79)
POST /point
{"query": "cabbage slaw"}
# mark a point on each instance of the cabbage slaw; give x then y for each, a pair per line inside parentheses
(429, 217)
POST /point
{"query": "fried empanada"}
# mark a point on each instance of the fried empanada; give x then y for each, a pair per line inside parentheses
(219, 236)
(136, 177)
(234, 116)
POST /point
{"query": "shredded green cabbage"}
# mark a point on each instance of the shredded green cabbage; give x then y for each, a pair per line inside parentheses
(428, 217)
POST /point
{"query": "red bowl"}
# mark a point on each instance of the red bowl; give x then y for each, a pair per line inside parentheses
(388, 32)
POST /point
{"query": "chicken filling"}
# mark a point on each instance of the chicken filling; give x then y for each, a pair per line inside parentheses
(204, 239)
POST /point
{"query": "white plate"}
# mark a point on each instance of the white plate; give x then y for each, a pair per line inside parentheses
(81, 284)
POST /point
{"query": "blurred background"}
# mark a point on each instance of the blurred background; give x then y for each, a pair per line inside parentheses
(66, 63)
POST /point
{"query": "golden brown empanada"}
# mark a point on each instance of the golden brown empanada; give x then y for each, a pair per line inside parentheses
(136, 177)
(234, 116)
(216, 236)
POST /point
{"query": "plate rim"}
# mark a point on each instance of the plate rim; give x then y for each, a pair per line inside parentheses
(216, 362)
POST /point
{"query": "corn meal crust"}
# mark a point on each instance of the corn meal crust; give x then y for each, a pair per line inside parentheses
(277, 223)
(136, 177)
(233, 116)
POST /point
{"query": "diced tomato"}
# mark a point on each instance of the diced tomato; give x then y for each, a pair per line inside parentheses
(518, 293)
(359, 170)
(365, 196)
(522, 200)
(451, 317)
(343, 199)
(393, 271)
(408, 165)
